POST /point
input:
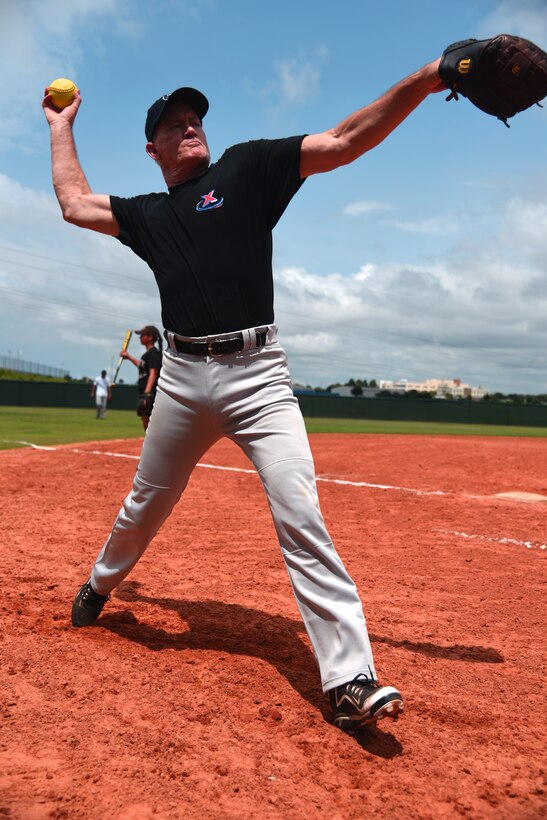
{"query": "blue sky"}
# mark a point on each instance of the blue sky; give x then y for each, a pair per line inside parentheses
(426, 258)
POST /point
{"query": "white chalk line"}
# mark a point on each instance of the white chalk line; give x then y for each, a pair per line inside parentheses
(469, 536)
(381, 486)
(528, 544)
(240, 470)
(27, 444)
(336, 481)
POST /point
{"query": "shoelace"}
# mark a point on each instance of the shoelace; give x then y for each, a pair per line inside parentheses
(362, 678)
(90, 596)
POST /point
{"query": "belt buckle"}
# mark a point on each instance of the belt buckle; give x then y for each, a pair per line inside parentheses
(210, 349)
(225, 342)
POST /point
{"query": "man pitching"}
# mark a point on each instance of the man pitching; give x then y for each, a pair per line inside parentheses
(208, 241)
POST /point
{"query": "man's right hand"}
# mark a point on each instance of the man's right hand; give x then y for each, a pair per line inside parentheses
(67, 115)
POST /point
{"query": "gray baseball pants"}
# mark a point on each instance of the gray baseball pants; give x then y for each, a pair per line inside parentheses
(100, 402)
(247, 397)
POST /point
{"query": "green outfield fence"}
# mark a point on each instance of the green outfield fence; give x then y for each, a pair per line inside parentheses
(435, 410)
(62, 394)
(124, 397)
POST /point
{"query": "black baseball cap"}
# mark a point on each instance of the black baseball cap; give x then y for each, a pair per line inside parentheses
(192, 96)
(148, 330)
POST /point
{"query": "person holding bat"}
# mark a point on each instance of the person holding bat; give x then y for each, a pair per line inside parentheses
(125, 345)
(208, 241)
(149, 366)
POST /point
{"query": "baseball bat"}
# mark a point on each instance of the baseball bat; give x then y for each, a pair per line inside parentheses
(120, 360)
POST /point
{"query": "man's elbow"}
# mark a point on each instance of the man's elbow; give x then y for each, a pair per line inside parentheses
(70, 212)
(84, 212)
(68, 217)
(74, 209)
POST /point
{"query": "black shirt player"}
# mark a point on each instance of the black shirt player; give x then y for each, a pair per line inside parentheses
(149, 366)
(208, 241)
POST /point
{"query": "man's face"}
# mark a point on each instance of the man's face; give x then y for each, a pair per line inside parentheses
(179, 141)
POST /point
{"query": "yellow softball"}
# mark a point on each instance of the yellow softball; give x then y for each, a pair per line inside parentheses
(62, 92)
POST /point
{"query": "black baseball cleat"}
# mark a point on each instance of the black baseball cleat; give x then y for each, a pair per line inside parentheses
(87, 605)
(363, 701)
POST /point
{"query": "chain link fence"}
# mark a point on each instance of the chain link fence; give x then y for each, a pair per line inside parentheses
(22, 366)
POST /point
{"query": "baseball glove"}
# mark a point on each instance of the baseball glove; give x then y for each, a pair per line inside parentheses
(502, 75)
(144, 404)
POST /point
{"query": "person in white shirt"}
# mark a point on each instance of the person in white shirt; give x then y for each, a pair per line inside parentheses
(101, 392)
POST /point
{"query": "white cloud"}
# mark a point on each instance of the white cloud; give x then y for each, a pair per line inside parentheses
(298, 77)
(296, 81)
(16, 199)
(527, 220)
(314, 342)
(366, 207)
(64, 289)
(526, 18)
(476, 312)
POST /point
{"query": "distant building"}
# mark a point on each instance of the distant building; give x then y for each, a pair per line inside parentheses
(440, 388)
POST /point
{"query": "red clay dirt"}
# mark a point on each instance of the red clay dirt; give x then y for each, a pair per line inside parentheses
(196, 693)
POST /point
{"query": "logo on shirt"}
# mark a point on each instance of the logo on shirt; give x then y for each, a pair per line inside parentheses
(209, 201)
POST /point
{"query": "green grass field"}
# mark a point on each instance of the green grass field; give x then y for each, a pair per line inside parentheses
(54, 425)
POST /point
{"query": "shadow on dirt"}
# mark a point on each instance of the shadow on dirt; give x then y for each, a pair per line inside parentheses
(275, 639)
(456, 652)
(241, 630)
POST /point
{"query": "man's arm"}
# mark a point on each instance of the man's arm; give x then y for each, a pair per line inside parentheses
(78, 204)
(366, 128)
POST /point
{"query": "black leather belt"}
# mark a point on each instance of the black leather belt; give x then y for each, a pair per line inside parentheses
(218, 347)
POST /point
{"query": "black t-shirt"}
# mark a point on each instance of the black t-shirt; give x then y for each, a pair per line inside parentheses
(150, 360)
(209, 240)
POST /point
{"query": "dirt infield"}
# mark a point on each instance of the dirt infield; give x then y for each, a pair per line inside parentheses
(196, 693)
